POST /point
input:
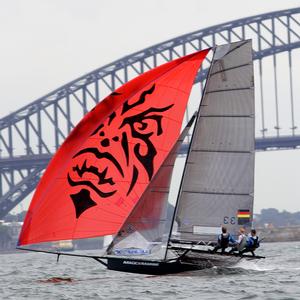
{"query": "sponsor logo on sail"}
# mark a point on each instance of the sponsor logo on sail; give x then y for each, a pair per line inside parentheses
(132, 251)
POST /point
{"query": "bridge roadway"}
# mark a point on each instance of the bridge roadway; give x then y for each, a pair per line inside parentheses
(41, 160)
(273, 34)
(37, 164)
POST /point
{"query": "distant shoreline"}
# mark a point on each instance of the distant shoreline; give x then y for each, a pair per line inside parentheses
(263, 234)
(11, 251)
(280, 234)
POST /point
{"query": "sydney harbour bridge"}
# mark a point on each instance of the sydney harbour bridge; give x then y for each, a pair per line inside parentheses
(30, 135)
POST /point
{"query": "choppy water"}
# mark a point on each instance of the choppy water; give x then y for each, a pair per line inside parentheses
(31, 276)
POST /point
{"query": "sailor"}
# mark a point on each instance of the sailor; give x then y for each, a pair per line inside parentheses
(223, 241)
(241, 242)
(252, 242)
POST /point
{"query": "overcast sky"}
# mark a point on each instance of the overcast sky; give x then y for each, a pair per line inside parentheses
(47, 43)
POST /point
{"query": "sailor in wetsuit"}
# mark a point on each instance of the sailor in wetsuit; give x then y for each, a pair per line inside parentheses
(252, 243)
(223, 241)
(241, 242)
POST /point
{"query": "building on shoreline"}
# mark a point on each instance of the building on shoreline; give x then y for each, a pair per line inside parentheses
(9, 234)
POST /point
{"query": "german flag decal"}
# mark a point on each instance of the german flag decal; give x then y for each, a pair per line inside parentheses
(243, 216)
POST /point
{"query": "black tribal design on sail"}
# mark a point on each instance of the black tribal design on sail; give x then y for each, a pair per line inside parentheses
(133, 127)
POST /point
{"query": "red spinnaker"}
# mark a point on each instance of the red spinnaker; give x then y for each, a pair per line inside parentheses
(105, 164)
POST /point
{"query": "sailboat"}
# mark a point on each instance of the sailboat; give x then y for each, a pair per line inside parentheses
(112, 175)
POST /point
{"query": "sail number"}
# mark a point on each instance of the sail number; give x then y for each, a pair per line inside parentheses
(229, 220)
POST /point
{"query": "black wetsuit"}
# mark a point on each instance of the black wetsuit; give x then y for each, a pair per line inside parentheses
(223, 242)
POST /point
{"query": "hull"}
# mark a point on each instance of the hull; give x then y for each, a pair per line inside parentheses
(151, 267)
(194, 260)
(216, 260)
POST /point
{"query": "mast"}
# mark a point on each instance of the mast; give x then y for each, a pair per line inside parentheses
(189, 150)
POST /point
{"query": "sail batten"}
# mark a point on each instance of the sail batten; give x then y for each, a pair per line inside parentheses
(229, 69)
(222, 151)
(226, 116)
(214, 193)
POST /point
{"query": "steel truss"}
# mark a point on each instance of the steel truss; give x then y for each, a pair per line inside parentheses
(40, 127)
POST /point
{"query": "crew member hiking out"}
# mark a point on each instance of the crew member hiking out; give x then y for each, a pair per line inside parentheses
(241, 242)
(252, 242)
(224, 239)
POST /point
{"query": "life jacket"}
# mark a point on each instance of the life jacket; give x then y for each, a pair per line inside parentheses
(253, 242)
(224, 240)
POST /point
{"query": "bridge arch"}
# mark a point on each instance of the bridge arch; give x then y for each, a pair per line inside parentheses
(29, 136)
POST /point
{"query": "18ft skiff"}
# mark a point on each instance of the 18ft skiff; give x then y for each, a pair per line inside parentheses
(112, 175)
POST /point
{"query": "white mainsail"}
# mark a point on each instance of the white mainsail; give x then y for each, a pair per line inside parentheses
(218, 184)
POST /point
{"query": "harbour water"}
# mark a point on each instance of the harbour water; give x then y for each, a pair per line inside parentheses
(39, 276)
